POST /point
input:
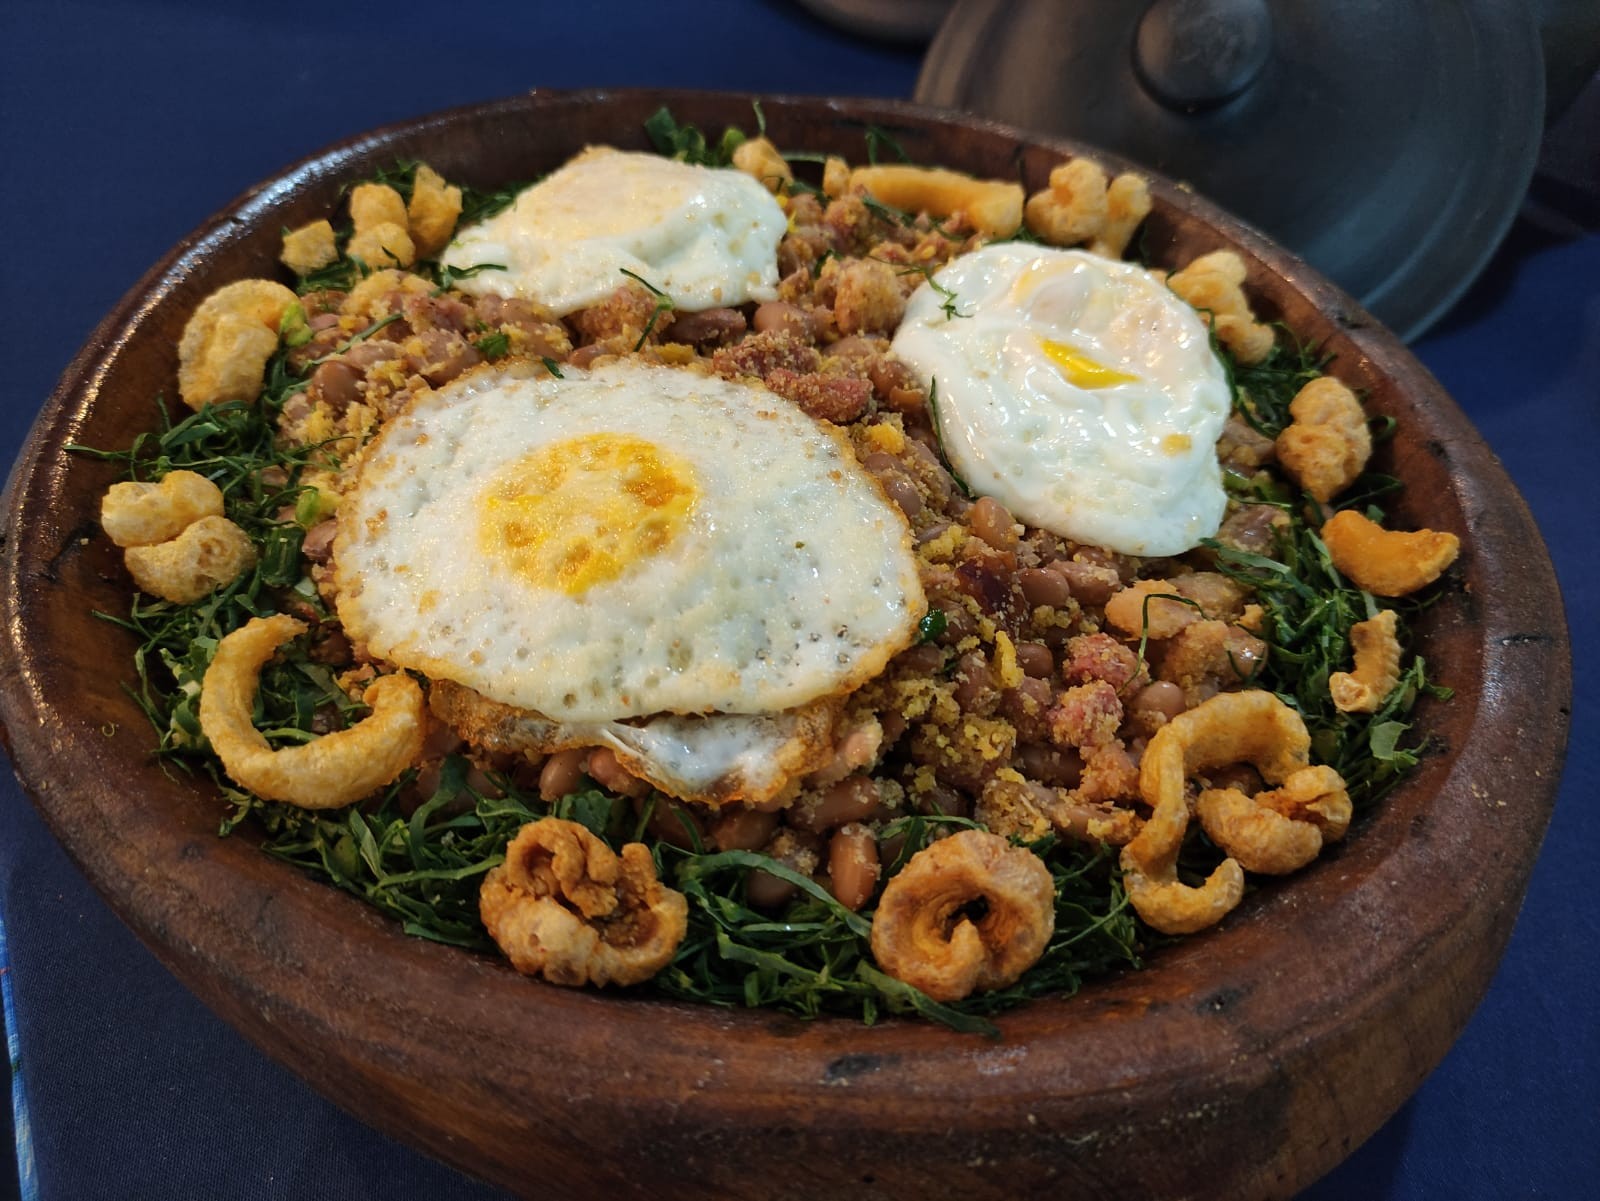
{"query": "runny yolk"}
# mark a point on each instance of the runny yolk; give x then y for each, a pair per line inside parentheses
(1080, 370)
(582, 511)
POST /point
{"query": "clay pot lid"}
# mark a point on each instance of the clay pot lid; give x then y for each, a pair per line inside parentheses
(1389, 145)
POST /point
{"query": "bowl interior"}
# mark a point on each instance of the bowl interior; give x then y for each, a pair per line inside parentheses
(1251, 1057)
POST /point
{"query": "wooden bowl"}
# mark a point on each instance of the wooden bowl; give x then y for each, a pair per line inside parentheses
(1242, 1063)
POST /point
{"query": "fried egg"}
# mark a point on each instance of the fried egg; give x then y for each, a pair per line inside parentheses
(628, 541)
(1080, 392)
(704, 237)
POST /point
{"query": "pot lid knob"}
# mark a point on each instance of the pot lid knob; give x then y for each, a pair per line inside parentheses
(1196, 54)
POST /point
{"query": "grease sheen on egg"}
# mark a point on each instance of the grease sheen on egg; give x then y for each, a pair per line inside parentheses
(705, 237)
(1079, 391)
(628, 541)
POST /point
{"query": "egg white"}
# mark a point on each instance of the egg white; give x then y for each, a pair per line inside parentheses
(1118, 448)
(704, 237)
(788, 578)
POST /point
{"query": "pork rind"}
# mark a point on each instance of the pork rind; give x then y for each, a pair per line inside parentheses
(994, 207)
(433, 212)
(1278, 832)
(1073, 208)
(140, 514)
(207, 554)
(386, 244)
(1127, 204)
(759, 158)
(969, 913)
(376, 204)
(1213, 284)
(1145, 608)
(1387, 562)
(327, 773)
(565, 907)
(1328, 444)
(226, 344)
(1080, 206)
(309, 248)
(1377, 670)
(1232, 727)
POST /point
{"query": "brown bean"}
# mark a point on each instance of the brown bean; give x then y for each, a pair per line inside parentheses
(1044, 587)
(1048, 765)
(611, 775)
(480, 782)
(717, 326)
(766, 891)
(796, 850)
(1242, 776)
(1091, 583)
(779, 316)
(921, 660)
(857, 347)
(853, 865)
(585, 356)
(318, 542)
(1035, 660)
(562, 773)
(853, 799)
(958, 624)
(940, 801)
(992, 522)
(674, 822)
(1160, 697)
(975, 685)
(904, 494)
(336, 384)
(739, 829)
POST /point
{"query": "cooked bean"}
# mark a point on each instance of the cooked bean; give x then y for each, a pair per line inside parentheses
(585, 356)
(853, 865)
(782, 317)
(1160, 697)
(1041, 586)
(975, 685)
(796, 850)
(1242, 776)
(922, 660)
(766, 891)
(611, 775)
(1091, 583)
(992, 522)
(1025, 707)
(479, 781)
(739, 829)
(1035, 660)
(1048, 764)
(318, 542)
(562, 773)
(940, 801)
(717, 326)
(853, 799)
(373, 351)
(958, 624)
(672, 821)
(336, 384)
(904, 494)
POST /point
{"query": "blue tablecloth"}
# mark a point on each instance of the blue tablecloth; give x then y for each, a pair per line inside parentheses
(123, 125)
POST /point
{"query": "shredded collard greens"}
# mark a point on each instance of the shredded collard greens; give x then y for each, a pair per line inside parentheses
(421, 859)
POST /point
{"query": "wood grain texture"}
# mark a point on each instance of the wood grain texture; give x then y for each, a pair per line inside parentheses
(1242, 1063)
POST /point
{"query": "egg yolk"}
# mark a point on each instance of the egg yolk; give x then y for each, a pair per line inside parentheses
(1080, 370)
(581, 511)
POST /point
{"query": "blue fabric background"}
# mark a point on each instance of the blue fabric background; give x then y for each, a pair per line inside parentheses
(122, 126)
